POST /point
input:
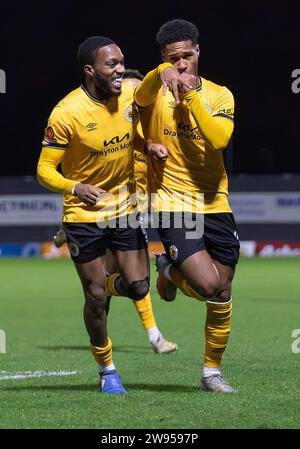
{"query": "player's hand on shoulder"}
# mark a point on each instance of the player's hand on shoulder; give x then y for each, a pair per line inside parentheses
(87, 193)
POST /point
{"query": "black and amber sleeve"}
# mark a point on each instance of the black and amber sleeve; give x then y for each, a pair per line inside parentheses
(217, 127)
(57, 137)
(146, 92)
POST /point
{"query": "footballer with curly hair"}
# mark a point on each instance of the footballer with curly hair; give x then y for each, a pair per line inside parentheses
(193, 118)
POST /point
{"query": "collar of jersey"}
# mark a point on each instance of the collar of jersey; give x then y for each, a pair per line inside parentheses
(104, 102)
(199, 87)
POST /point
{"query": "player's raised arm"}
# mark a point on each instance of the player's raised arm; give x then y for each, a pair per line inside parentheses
(164, 75)
(171, 79)
(146, 92)
(217, 127)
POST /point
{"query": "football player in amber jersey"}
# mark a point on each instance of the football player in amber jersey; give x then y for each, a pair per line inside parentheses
(91, 132)
(193, 118)
(143, 307)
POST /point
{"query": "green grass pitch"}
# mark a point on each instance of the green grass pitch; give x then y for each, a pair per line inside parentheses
(41, 314)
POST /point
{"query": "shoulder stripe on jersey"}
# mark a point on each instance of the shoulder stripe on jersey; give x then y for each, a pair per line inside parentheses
(224, 115)
(55, 146)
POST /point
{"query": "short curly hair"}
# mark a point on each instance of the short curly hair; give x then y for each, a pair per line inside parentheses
(133, 73)
(177, 30)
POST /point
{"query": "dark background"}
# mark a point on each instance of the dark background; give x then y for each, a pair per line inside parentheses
(251, 47)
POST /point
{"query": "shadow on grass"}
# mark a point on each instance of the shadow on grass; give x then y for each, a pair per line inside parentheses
(125, 349)
(94, 388)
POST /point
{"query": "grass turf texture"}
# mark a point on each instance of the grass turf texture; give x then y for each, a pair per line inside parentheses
(41, 313)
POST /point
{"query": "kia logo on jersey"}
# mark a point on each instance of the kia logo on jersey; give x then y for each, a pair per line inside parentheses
(115, 140)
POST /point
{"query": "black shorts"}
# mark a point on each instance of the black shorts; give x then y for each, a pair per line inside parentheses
(87, 241)
(219, 238)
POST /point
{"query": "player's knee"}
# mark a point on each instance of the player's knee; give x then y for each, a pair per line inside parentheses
(95, 292)
(138, 289)
(209, 289)
(224, 295)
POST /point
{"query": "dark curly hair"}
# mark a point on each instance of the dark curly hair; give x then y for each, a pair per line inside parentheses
(176, 30)
(133, 73)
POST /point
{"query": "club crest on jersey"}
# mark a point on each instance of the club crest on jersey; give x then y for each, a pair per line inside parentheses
(74, 250)
(131, 114)
(172, 104)
(173, 251)
(49, 135)
(208, 108)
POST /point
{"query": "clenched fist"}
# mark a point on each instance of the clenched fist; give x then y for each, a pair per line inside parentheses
(157, 151)
(87, 193)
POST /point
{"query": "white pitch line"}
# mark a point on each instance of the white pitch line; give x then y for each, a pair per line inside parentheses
(28, 374)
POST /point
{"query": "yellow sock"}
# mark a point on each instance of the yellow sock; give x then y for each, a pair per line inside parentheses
(144, 309)
(110, 285)
(103, 356)
(182, 284)
(217, 331)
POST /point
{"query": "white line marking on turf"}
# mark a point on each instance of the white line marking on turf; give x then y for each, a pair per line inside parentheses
(28, 374)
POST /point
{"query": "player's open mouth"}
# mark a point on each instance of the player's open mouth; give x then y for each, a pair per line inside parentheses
(117, 82)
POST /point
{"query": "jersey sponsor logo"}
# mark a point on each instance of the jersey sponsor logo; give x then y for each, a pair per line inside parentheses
(228, 111)
(49, 135)
(74, 250)
(131, 114)
(184, 133)
(111, 150)
(186, 127)
(115, 140)
(91, 126)
(173, 251)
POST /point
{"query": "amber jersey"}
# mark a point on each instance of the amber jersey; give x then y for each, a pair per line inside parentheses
(96, 139)
(192, 168)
